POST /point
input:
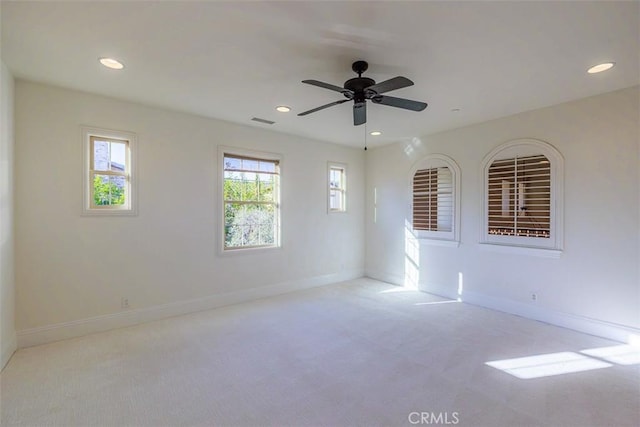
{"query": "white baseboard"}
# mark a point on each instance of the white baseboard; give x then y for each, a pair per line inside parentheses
(8, 349)
(80, 327)
(382, 276)
(600, 328)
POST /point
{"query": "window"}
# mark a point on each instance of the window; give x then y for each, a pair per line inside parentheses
(523, 200)
(108, 178)
(337, 187)
(435, 198)
(520, 197)
(251, 197)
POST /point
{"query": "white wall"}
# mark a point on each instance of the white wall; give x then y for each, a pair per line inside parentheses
(72, 271)
(596, 280)
(7, 282)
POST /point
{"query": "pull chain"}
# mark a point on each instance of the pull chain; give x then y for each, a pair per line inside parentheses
(365, 136)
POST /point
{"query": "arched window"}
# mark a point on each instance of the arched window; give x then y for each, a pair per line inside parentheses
(523, 195)
(435, 200)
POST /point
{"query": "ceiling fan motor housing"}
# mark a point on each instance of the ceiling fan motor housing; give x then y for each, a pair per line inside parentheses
(357, 86)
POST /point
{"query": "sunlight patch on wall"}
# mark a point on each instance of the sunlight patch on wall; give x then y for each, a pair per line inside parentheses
(411, 258)
(546, 365)
(411, 146)
(375, 205)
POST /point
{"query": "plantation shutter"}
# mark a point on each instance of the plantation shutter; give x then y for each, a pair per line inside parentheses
(519, 197)
(433, 199)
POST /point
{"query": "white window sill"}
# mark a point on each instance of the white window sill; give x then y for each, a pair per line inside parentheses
(248, 251)
(439, 242)
(109, 212)
(521, 250)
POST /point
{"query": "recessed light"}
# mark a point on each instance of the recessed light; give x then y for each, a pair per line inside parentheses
(111, 63)
(375, 133)
(601, 67)
(283, 108)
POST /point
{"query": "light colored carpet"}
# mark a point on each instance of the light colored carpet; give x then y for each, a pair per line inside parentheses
(357, 353)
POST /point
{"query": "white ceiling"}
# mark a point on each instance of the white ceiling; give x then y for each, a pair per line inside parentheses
(237, 60)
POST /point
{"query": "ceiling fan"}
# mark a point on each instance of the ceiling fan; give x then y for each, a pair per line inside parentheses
(359, 89)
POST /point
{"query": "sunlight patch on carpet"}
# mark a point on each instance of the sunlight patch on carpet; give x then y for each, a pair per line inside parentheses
(546, 365)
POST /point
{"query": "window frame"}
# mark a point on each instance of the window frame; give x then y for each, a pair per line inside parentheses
(551, 246)
(257, 155)
(343, 191)
(130, 206)
(443, 238)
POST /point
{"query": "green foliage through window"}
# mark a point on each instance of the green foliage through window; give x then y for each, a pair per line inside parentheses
(250, 202)
(108, 190)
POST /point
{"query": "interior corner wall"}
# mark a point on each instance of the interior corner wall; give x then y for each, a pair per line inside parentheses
(72, 271)
(595, 284)
(7, 282)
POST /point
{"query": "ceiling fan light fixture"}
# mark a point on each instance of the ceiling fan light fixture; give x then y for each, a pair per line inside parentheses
(375, 133)
(601, 67)
(114, 64)
(283, 109)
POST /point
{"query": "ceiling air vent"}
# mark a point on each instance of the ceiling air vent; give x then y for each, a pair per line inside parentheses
(256, 119)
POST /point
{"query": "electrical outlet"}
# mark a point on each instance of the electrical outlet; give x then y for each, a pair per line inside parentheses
(124, 302)
(534, 297)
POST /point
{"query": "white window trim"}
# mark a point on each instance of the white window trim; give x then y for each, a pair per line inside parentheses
(342, 166)
(222, 150)
(131, 208)
(551, 247)
(438, 238)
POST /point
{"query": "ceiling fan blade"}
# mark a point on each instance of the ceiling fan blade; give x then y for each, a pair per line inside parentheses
(391, 84)
(407, 104)
(359, 113)
(326, 85)
(322, 107)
